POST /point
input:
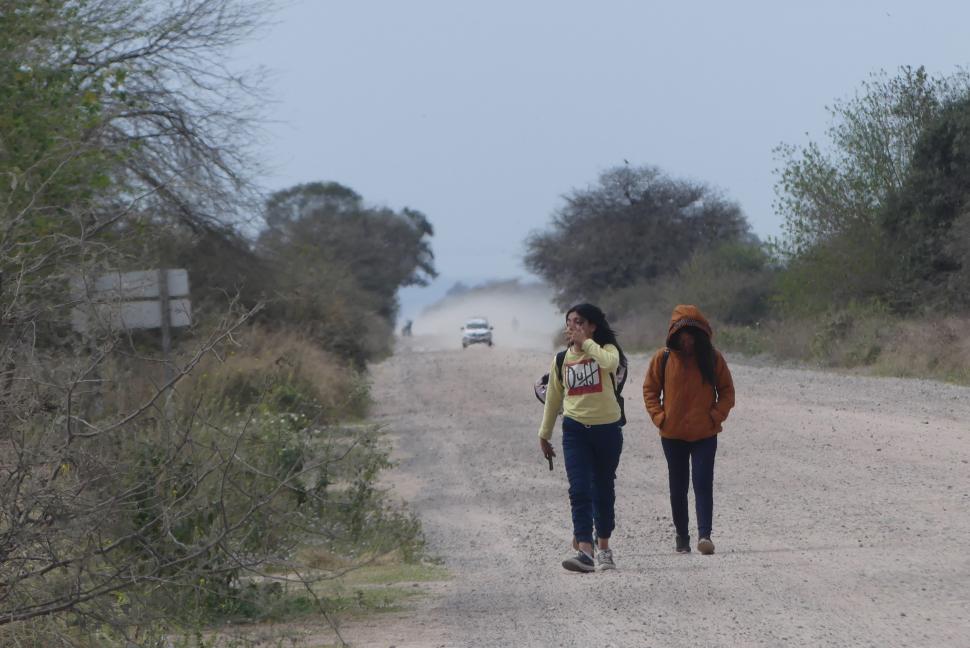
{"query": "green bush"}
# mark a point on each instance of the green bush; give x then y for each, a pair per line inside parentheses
(849, 267)
(732, 284)
(749, 340)
(179, 514)
(852, 336)
(281, 371)
(734, 281)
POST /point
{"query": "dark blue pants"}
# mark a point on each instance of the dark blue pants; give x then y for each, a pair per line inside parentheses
(591, 454)
(680, 455)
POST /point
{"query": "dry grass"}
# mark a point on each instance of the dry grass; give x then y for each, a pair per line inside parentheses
(866, 338)
(281, 365)
(259, 364)
(935, 348)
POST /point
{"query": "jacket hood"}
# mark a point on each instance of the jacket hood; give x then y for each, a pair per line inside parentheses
(687, 315)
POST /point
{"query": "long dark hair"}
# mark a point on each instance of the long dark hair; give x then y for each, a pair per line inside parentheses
(703, 351)
(604, 333)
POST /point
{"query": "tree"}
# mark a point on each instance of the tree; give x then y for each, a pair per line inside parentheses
(339, 263)
(142, 85)
(928, 218)
(635, 225)
(117, 121)
(826, 191)
(734, 281)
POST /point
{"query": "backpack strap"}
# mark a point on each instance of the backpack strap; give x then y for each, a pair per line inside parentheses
(560, 360)
(616, 393)
(617, 388)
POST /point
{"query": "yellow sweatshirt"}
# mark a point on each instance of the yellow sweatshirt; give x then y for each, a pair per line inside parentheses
(589, 397)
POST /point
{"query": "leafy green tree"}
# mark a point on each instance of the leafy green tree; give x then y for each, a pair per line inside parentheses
(634, 225)
(928, 219)
(826, 191)
(118, 119)
(117, 122)
(339, 264)
(854, 265)
(735, 282)
(845, 237)
(53, 168)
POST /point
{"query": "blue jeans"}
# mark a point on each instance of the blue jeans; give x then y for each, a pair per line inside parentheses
(591, 454)
(680, 455)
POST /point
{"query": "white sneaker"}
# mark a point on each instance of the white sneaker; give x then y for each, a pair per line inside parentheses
(604, 558)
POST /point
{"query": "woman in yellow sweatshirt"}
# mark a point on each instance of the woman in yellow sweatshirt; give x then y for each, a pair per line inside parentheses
(592, 438)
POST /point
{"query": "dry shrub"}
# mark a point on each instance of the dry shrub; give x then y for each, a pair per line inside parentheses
(747, 340)
(173, 515)
(936, 348)
(863, 337)
(258, 364)
(285, 370)
(789, 339)
(856, 334)
(644, 331)
(852, 336)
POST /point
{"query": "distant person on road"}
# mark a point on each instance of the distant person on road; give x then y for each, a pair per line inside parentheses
(406, 329)
(688, 392)
(592, 438)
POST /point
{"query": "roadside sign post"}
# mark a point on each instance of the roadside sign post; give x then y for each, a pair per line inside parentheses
(164, 309)
(128, 301)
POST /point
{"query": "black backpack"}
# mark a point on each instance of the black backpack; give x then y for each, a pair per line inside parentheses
(542, 385)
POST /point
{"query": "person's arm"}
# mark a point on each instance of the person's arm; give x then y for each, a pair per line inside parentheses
(725, 391)
(652, 386)
(554, 396)
(607, 357)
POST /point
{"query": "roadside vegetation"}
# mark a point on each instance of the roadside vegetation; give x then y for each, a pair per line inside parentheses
(156, 499)
(872, 270)
(148, 499)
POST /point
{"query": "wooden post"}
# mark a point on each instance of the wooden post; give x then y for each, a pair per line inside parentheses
(164, 303)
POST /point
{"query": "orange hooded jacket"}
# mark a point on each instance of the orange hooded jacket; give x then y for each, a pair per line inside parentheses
(691, 409)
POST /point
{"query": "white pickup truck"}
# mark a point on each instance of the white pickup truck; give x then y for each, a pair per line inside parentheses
(476, 331)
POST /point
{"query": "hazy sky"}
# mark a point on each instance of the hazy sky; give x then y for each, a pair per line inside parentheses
(482, 114)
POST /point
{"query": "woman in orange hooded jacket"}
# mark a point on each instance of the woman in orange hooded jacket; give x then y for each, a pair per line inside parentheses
(688, 392)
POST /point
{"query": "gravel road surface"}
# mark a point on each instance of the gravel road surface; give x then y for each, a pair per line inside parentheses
(842, 513)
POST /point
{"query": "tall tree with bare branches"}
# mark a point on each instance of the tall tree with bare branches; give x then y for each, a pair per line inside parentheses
(127, 494)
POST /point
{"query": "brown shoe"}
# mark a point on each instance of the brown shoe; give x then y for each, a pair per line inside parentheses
(705, 546)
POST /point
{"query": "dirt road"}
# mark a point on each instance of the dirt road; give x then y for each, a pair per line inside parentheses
(842, 514)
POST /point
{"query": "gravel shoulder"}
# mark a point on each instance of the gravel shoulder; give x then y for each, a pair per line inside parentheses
(841, 514)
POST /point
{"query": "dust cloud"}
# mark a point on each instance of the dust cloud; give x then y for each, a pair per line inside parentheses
(523, 316)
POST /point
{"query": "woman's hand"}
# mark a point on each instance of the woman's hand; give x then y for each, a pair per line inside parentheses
(547, 450)
(579, 336)
(575, 335)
